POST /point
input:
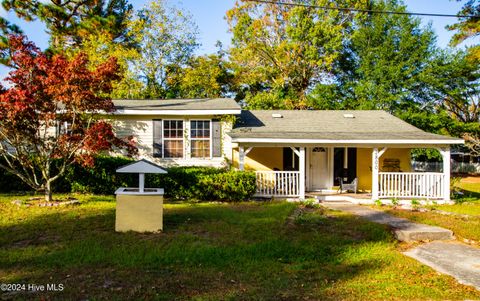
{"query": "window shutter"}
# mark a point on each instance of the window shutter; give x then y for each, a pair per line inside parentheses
(216, 138)
(157, 137)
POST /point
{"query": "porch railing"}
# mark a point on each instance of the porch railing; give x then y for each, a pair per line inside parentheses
(428, 185)
(278, 183)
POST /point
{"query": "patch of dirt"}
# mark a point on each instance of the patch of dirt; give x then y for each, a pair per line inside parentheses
(40, 202)
(301, 210)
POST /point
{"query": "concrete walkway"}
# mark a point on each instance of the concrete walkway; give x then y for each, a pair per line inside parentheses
(455, 259)
(403, 229)
(452, 258)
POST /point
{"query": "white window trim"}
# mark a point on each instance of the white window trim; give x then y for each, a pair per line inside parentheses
(203, 139)
(173, 139)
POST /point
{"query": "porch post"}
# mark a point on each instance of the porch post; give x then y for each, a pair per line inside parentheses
(446, 173)
(241, 158)
(141, 182)
(375, 164)
(302, 173)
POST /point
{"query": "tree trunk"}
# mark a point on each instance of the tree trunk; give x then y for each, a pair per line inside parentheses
(48, 192)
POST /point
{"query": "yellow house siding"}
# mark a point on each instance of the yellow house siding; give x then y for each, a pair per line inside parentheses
(261, 158)
(364, 164)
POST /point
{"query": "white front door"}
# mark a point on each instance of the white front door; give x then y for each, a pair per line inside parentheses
(319, 168)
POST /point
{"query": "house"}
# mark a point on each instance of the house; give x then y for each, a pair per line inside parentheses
(291, 152)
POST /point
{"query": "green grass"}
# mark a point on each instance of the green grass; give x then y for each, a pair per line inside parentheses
(211, 251)
(469, 203)
(468, 228)
(462, 227)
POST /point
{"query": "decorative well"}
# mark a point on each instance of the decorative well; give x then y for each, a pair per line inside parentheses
(139, 209)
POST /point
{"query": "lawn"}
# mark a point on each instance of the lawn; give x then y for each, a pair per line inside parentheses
(211, 251)
(464, 227)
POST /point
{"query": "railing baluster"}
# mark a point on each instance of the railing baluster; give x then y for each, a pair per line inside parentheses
(277, 183)
(411, 184)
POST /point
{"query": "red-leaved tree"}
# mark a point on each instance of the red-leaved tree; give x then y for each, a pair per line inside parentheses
(51, 114)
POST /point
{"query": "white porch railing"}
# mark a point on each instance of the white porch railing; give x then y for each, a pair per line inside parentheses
(278, 183)
(428, 185)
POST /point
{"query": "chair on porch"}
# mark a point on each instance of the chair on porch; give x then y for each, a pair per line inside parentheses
(347, 186)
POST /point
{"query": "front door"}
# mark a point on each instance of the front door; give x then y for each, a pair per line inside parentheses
(318, 168)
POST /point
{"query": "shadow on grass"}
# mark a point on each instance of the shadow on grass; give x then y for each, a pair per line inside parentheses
(243, 251)
(466, 196)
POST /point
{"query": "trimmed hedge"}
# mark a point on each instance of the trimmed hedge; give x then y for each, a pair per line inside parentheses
(181, 183)
(204, 184)
(102, 178)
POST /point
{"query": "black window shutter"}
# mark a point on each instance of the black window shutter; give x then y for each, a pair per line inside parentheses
(157, 137)
(216, 138)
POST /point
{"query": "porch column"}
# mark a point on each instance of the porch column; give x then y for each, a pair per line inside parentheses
(241, 158)
(375, 166)
(302, 173)
(141, 182)
(446, 172)
(242, 153)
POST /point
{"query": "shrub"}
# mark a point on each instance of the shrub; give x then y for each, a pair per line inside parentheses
(312, 203)
(181, 183)
(100, 179)
(205, 184)
(227, 186)
(415, 204)
(11, 183)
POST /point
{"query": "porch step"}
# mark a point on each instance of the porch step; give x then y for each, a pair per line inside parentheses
(343, 199)
(403, 229)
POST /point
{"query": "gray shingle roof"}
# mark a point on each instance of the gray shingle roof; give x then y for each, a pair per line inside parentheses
(176, 104)
(328, 125)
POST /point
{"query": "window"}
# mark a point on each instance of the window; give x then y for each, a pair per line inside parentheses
(200, 138)
(64, 128)
(173, 138)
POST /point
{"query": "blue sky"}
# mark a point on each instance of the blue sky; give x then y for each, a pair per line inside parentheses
(210, 18)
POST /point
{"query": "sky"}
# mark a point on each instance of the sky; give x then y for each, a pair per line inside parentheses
(209, 15)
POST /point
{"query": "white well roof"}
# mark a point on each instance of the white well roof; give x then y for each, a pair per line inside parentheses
(142, 166)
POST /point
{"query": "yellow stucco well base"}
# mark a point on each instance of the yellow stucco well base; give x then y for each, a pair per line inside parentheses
(140, 213)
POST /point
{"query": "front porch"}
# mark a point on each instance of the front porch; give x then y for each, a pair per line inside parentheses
(317, 167)
(295, 151)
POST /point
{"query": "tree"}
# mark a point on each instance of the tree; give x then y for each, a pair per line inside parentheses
(99, 48)
(461, 101)
(285, 49)
(206, 76)
(167, 38)
(468, 27)
(69, 21)
(384, 64)
(6, 29)
(51, 113)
